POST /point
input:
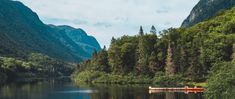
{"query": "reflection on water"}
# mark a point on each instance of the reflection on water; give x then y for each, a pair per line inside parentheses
(78, 91)
(176, 96)
(42, 90)
(66, 90)
(174, 91)
(139, 92)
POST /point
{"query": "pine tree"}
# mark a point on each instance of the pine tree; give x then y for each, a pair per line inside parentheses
(153, 65)
(141, 32)
(113, 40)
(153, 30)
(170, 66)
(104, 48)
(142, 63)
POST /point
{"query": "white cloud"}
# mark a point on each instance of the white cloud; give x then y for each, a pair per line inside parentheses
(106, 18)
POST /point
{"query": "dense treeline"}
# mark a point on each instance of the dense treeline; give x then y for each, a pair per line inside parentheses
(221, 82)
(36, 66)
(174, 55)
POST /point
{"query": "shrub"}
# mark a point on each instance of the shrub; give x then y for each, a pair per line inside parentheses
(165, 80)
(123, 79)
(221, 81)
(86, 76)
(101, 77)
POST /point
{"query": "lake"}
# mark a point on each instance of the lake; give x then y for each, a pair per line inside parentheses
(68, 90)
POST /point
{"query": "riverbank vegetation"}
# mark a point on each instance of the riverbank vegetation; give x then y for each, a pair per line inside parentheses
(174, 57)
(221, 82)
(36, 66)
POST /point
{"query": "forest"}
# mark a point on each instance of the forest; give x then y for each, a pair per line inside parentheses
(35, 67)
(204, 52)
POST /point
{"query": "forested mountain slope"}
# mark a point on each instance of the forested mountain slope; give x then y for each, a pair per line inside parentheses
(176, 55)
(22, 33)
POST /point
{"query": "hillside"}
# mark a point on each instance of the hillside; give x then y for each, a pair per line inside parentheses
(203, 53)
(22, 33)
(80, 37)
(206, 9)
(176, 56)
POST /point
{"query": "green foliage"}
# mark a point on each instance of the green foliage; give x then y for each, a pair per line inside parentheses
(45, 65)
(229, 27)
(153, 30)
(233, 54)
(169, 81)
(153, 65)
(85, 76)
(179, 53)
(11, 64)
(102, 61)
(123, 79)
(36, 66)
(221, 81)
(121, 54)
(142, 56)
(101, 77)
(22, 33)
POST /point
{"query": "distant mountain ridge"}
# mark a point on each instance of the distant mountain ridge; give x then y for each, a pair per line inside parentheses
(206, 9)
(22, 32)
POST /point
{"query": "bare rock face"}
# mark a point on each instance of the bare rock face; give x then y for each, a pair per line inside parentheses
(206, 9)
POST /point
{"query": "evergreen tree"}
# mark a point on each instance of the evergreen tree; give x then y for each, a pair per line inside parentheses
(150, 43)
(115, 59)
(195, 71)
(113, 40)
(183, 62)
(102, 61)
(128, 57)
(153, 65)
(153, 30)
(92, 64)
(170, 66)
(203, 61)
(142, 63)
(141, 32)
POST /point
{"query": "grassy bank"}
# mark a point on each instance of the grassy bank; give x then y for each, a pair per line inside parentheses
(106, 78)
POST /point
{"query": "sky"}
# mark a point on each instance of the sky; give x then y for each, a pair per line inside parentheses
(105, 19)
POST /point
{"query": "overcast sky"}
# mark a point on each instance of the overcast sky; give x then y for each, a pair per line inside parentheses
(104, 19)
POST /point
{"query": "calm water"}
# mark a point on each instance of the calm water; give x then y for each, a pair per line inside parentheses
(67, 90)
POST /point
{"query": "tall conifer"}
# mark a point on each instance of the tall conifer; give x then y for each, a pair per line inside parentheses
(170, 66)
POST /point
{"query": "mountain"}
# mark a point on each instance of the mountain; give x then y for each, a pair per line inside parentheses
(22, 33)
(206, 9)
(78, 37)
